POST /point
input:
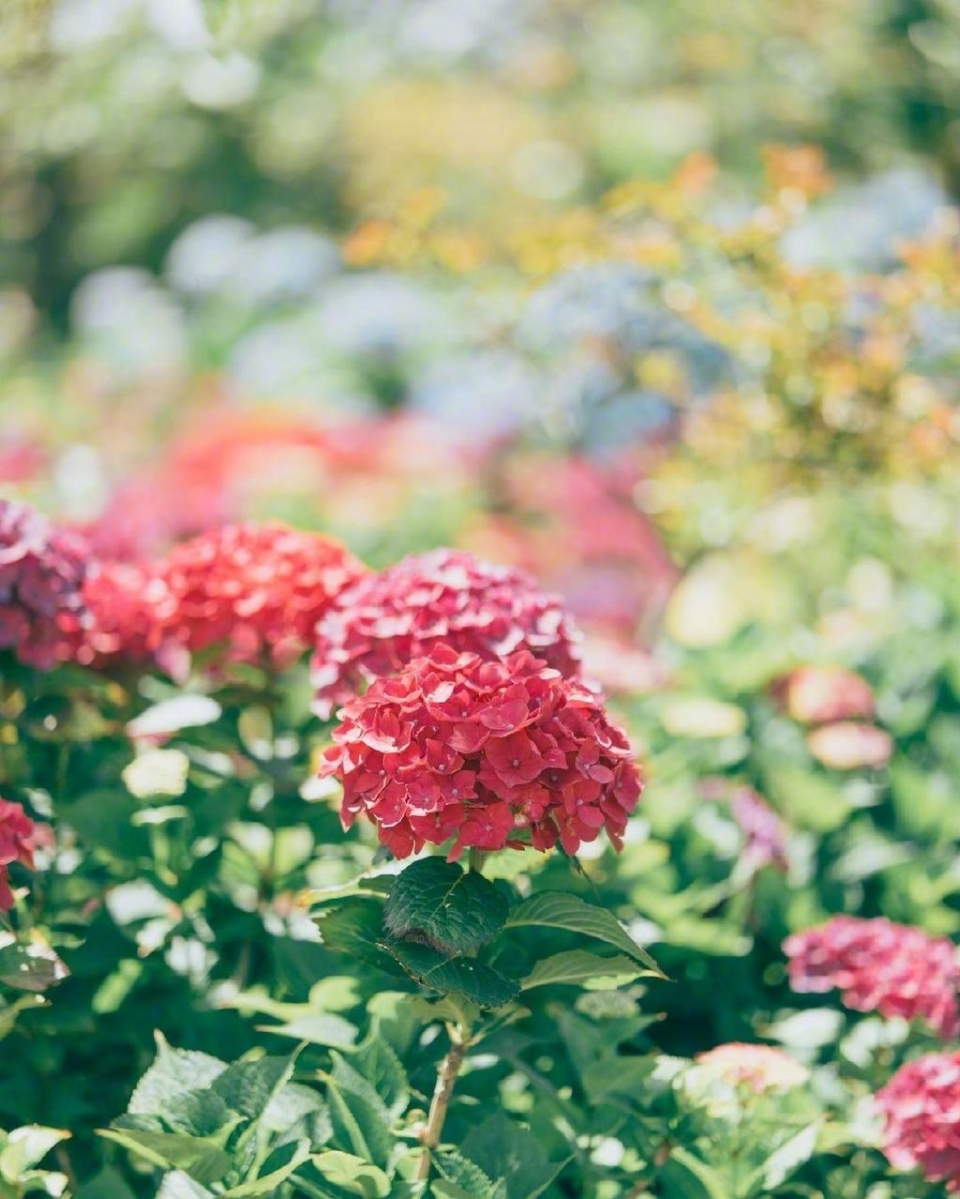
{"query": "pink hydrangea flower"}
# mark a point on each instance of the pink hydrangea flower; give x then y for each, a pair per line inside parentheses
(486, 754)
(128, 609)
(921, 1110)
(850, 746)
(759, 1067)
(879, 966)
(42, 569)
(17, 842)
(256, 589)
(386, 620)
(824, 694)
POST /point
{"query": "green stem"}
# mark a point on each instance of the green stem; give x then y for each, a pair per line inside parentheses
(447, 1077)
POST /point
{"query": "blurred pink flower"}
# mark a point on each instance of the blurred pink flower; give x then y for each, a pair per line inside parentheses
(850, 746)
(42, 569)
(759, 1067)
(17, 842)
(921, 1109)
(254, 589)
(824, 694)
(879, 966)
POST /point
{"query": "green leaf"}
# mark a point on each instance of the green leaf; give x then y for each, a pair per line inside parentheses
(352, 1174)
(376, 1061)
(356, 929)
(807, 800)
(174, 1074)
(177, 1185)
(280, 1164)
(685, 1176)
(584, 968)
(204, 1162)
(32, 967)
(316, 1029)
(786, 1160)
(466, 1178)
(507, 1153)
(554, 909)
(103, 821)
(454, 976)
(360, 1118)
(247, 1088)
(26, 1147)
(437, 902)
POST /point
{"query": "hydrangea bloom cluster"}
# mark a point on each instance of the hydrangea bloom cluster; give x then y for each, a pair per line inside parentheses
(879, 966)
(823, 694)
(921, 1109)
(42, 569)
(759, 1067)
(258, 588)
(487, 753)
(386, 620)
(129, 607)
(16, 845)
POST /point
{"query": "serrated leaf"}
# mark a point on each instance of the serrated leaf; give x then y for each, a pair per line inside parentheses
(376, 1061)
(512, 1155)
(439, 903)
(554, 909)
(247, 1088)
(174, 1074)
(581, 967)
(361, 1121)
(454, 976)
(467, 1178)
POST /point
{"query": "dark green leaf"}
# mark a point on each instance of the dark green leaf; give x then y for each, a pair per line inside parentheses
(455, 976)
(438, 903)
(376, 1061)
(582, 967)
(30, 967)
(205, 1163)
(554, 909)
(508, 1153)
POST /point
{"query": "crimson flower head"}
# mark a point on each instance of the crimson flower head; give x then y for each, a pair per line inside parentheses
(16, 845)
(489, 754)
(128, 607)
(921, 1110)
(879, 966)
(386, 620)
(42, 569)
(259, 589)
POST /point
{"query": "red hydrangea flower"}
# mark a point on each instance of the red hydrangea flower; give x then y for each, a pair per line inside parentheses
(759, 1067)
(129, 607)
(42, 569)
(879, 966)
(256, 588)
(921, 1108)
(445, 597)
(17, 833)
(823, 694)
(487, 753)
